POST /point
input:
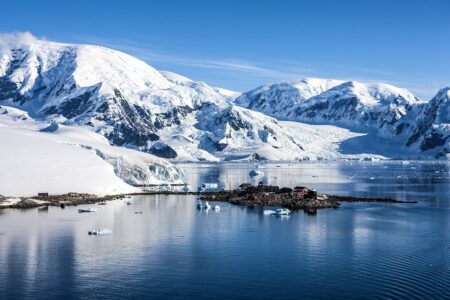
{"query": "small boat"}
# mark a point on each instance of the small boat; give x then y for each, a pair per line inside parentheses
(128, 202)
(199, 204)
(207, 205)
(216, 208)
(139, 212)
(282, 212)
(100, 232)
(268, 212)
(83, 210)
(102, 203)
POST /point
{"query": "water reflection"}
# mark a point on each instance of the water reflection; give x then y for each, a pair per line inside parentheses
(173, 250)
(426, 182)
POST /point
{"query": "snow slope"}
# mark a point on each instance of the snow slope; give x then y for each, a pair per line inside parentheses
(42, 157)
(132, 104)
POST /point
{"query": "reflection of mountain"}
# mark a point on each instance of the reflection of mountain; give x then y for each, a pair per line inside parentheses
(165, 250)
(33, 262)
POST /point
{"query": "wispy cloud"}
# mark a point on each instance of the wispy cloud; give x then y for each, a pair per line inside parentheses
(9, 41)
(284, 71)
(256, 73)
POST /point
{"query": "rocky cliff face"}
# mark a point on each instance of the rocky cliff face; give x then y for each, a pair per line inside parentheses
(432, 129)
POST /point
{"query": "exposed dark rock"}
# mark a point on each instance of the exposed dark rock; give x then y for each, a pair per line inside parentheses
(284, 190)
(162, 150)
(62, 200)
(432, 141)
(261, 195)
(255, 157)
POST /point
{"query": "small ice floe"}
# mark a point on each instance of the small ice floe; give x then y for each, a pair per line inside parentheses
(100, 231)
(405, 162)
(254, 173)
(268, 212)
(216, 208)
(43, 208)
(208, 187)
(374, 159)
(282, 212)
(86, 210)
(372, 178)
(207, 205)
(199, 204)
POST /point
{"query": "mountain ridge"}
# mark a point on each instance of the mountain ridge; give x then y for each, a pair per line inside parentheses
(131, 103)
(165, 114)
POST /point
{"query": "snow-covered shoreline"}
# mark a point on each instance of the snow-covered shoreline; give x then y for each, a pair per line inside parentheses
(42, 157)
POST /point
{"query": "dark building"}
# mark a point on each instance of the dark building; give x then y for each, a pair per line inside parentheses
(305, 192)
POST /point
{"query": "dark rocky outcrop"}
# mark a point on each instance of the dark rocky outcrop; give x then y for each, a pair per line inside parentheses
(163, 150)
(253, 196)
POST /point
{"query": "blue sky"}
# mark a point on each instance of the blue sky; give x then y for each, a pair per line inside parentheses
(242, 44)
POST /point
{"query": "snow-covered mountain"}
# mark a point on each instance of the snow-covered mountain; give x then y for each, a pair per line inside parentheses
(134, 105)
(377, 108)
(281, 99)
(352, 104)
(168, 115)
(431, 131)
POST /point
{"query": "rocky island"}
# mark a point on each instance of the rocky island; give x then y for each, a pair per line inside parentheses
(294, 199)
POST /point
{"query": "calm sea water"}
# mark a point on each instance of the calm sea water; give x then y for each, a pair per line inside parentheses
(173, 251)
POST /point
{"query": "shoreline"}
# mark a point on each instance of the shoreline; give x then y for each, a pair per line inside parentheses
(294, 201)
(252, 199)
(61, 200)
